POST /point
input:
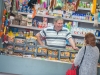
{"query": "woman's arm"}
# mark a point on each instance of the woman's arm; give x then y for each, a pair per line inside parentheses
(79, 56)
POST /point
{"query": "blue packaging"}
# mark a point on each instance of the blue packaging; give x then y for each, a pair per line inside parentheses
(67, 42)
(99, 17)
(97, 33)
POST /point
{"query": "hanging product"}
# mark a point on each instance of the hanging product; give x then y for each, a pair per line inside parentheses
(14, 9)
(51, 4)
(96, 19)
(31, 4)
(77, 4)
(1, 32)
(96, 15)
(7, 4)
(3, 21)
(93, 8)
(6, 23)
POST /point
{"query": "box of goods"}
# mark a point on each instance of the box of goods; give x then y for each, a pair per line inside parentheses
(64, 56)
(8, 51)
(10, 39)
(42, 51)
(18, 17)
(31, 41)
(72, 57)
(31, 44)
(29, 23)
(18, 54)
(30, 49)
(29, 19)
(24, 17)
(23, 23)
(9, 46)
(15, 22)
(19, 44)
(19, 41)
(19, 48)
(53, 54)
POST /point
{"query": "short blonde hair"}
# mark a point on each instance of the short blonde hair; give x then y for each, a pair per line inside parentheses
(90, 39)
(58, 18)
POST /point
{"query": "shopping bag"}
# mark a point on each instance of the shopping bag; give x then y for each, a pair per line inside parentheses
(72, 71)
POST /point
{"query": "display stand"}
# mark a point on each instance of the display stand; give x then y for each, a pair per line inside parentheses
(40, 66)
(28, 66)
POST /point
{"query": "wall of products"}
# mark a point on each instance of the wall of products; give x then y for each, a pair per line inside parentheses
(22, 29)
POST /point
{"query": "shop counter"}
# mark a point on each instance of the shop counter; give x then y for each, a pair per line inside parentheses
(33, 66)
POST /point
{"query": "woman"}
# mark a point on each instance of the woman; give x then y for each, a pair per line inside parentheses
(91, 56)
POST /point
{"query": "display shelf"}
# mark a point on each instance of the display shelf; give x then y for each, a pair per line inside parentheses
(24, 13)
(54, 56)
(22, 37)
(85, 21)
(41, 54)
(10, 43)
(73, 51)
(26, 27)
(35, 28)
(57, 48)
(78, 35)
(10, 49)
(64, 57)
(81, 8)
(83, 36)
(28, 53)
(40, 15)
(32, 46)
(48, 16)
(18, 51)
(18, 44)
(98, 38)
(52, 48)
